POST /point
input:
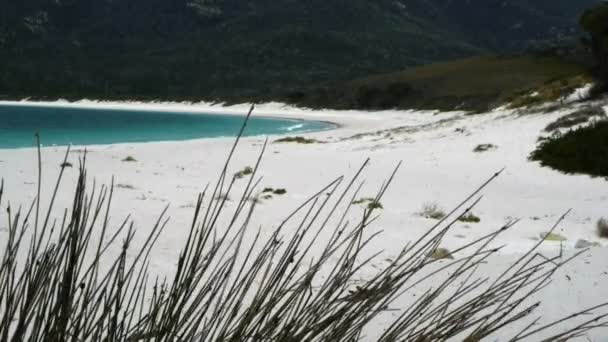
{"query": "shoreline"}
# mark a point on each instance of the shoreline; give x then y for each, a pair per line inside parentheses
(344, 123)
(277, 112)
(267, 110)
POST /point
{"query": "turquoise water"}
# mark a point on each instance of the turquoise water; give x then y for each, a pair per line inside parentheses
(79, 126)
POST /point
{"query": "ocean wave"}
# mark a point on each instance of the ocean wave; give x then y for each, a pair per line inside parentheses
(294, 127)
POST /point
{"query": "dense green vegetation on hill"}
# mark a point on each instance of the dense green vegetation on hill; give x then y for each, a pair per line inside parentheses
(235, 50)
(474, 84)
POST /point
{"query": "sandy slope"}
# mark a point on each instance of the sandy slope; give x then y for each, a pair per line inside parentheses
(439, 166)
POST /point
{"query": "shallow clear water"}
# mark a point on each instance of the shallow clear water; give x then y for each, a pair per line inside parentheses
(85, 126)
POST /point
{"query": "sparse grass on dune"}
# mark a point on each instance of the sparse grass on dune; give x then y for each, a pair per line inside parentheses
(578, 117)
(297, 140)
(289, 286)
(474, 84)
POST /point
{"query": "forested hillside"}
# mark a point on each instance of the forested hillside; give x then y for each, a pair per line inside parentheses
(193, 49)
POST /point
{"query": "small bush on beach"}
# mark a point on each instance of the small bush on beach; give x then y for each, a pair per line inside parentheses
(124, 186)
(440, 254)
(274, 191)
(244, 172)
(602, 228)
(298, 140)
(279, 192)
(129, 159)
(582, 150)
(484, 148)
(65, 164)
(469, 218)
(369, 202)
(553, 237)
(432, 210)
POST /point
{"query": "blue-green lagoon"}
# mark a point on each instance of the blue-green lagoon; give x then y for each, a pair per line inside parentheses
(86, 126)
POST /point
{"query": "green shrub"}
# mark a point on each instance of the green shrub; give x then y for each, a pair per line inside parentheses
(469, 218)
(484, 148)
(129, 159)
(440, 254)
(554, 237)
(432, 210)
(369, 202)
(583, 150)
(124, 186)
(298, 140)
(247, 171)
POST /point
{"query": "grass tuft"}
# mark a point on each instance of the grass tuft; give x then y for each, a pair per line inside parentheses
(369, 202)
(431, 210)
(124, 186)
(298, 140)
(440, 254)
(553, 237)
(550, 91)
(279, 192)
(247, 171)
(469, 218)
(484, 148)
(129, 159)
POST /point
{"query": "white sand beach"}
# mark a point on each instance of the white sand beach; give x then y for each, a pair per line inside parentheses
(439, 166)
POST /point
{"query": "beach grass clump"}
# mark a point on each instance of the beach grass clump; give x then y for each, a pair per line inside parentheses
(124, 186)
(129, 159)
(484, 148)
(279, 192)
(431, 210)
(602, 228)
(298, 140)
(369, 202)
(578, 117)
(87, 278)
(441, 254)
(247, 171)
(65, 164)
(550, 91)
(469, 218)
(273, 191)
(552, 237)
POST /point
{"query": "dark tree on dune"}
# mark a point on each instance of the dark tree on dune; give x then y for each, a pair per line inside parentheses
(595, 22)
